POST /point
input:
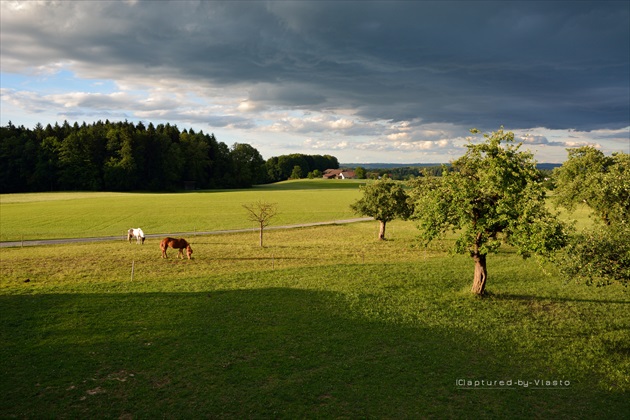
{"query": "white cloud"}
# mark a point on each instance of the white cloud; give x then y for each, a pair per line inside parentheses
(341, 124)
(248, 106)
(398, 136)
(408, 146)
(309, 123)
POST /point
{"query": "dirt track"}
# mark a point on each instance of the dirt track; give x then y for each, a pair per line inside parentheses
(160, 235)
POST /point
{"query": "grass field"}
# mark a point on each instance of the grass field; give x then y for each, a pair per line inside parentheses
(79, 214)
(323, 322)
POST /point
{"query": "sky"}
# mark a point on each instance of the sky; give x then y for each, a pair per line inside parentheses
(365, 81)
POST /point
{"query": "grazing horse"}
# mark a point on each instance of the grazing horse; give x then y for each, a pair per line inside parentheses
(176, 244)
(135, 233)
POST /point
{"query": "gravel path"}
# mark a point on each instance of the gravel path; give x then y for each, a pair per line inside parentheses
(175, 234)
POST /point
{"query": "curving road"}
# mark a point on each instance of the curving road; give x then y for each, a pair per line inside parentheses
(214, 232)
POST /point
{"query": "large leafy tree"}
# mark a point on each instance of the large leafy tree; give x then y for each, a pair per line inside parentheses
(599, 181)
(249, 166)
(601, 254)
(492, 195)
(384, 200)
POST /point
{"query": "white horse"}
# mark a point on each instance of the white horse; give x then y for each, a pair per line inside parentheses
(135, 233)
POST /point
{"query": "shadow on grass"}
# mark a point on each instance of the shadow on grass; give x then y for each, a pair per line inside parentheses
(255, 353)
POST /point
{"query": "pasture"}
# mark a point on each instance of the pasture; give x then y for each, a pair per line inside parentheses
(324, 322)
(80, 214)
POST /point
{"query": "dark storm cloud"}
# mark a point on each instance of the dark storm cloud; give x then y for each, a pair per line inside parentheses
(520, 64)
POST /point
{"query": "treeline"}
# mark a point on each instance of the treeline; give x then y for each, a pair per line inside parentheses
(123, 156)
(406, 173)
(401, 173)
(298, 165)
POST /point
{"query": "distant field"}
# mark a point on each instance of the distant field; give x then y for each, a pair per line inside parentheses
(85, 214)
(92, 214)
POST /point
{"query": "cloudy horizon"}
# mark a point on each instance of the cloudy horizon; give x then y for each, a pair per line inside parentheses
(365, 81)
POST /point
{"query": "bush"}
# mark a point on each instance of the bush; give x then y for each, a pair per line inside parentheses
(599, 256)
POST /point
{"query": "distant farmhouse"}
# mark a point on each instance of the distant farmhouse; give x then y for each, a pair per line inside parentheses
(339, 174)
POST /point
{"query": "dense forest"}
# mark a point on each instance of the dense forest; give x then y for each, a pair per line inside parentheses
(123, 156)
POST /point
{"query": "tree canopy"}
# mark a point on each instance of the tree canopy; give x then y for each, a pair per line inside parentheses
(493, 194)
(601, 254)
(599, 181)
(384, 200)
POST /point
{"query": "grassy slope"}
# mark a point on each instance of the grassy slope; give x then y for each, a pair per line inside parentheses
(323, 322)
(72, 215)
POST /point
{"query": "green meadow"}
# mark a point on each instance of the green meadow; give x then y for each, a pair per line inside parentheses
(87, 214)
(323, 322)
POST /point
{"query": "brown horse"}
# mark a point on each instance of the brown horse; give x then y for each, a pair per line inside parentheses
(176, 244)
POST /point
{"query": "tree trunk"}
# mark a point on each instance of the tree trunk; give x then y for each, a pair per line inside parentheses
(381, 231)
(481, 275)
(261, 235)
